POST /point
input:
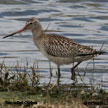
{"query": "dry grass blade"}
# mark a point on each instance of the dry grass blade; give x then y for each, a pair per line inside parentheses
(47, 27)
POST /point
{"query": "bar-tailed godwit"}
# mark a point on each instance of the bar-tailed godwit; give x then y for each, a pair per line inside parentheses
(58, 49)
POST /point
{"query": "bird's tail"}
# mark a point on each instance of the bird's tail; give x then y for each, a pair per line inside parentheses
(93, 53)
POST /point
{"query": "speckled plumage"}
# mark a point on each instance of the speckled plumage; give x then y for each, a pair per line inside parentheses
(60, 46)
(62, 50)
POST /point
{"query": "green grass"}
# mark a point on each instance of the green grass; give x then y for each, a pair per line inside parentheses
(22, 86)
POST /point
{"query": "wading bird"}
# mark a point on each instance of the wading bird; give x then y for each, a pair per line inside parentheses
(58, 49)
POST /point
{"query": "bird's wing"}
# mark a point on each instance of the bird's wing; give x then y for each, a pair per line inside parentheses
(92, 53)
(64, 47)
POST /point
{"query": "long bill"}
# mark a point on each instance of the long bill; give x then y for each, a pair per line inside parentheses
(19, 31)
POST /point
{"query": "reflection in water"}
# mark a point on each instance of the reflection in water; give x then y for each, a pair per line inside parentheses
(84, 21)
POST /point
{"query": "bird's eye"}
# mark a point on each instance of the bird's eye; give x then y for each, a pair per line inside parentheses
(30, 23)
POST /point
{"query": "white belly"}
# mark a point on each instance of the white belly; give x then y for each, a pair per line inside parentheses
(68, 60)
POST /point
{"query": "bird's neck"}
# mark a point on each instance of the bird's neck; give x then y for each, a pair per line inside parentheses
(37, 35)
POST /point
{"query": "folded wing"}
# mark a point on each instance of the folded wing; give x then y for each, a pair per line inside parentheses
(64, 47)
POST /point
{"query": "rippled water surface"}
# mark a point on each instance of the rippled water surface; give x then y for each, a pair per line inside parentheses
(85, 21)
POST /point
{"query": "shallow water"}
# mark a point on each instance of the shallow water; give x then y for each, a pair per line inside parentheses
(85, 21)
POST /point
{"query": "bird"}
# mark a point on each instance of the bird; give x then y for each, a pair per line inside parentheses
(58, 49)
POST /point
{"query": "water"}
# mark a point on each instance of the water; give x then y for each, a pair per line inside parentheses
(85, 21)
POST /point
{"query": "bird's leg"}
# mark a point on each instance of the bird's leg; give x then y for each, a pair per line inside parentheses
(73, 71)
(59, 75)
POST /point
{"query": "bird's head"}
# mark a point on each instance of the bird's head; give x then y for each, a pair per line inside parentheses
(32, 24)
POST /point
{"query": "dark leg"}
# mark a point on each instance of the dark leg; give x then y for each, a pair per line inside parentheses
(59, 75)
(73, 71)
